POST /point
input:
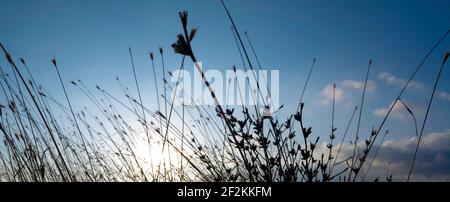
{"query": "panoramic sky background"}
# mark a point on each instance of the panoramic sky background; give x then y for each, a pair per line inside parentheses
(90, 41)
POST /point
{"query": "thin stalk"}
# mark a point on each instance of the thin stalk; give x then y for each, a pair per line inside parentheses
(73, 113)
(306, 83)
(419, 66)
(426, 114)
(359, 122)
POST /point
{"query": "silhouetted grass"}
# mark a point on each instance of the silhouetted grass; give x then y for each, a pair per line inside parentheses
(120, 138)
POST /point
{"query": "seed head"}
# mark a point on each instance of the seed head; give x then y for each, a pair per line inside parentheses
(8, 57)
(184, 17)
(446, 57)
(181, 46)
(192, 34)
(54, 61)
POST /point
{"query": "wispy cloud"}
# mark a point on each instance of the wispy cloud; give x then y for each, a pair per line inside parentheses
(399, 111)
(327, 94)
(343, 89)
(393, 80)
(359, 85)
(394, 157)
(444, 96)
(417, 86)
(432, 162)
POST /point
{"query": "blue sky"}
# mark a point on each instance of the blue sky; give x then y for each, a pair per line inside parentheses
(90, 41)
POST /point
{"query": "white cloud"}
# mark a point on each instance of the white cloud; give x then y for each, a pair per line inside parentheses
(371, 85)
(391, 79)
(342, 91)
(444, 96)
(398, 111)
(395, 156)
(432, 161)
(434, 142)
(327, 94)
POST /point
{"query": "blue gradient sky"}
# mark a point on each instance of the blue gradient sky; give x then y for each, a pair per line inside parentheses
(90, 40)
